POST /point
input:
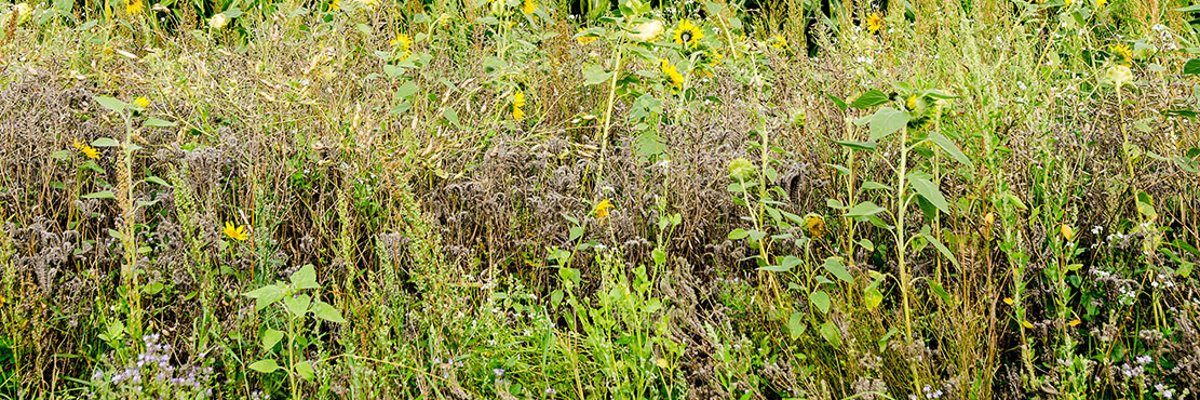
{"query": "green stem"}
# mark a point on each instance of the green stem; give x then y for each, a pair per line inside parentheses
(901, 246)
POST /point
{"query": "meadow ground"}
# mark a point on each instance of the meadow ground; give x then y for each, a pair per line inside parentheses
(544, 199)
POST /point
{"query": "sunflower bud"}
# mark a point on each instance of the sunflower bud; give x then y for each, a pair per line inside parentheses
(741, 169)
(218, 21)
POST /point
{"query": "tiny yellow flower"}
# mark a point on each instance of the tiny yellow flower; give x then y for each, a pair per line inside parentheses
(237, 233)
(528, 7)
(403, 45)
(88, 151)
(1008, 300)
(518, 103)
(134, 7)
(1066, 3)
(672, 74)
(874, 22)
(1122, 51)
(779, 42)
(911, 103)
(141, 102)
(688, 34)
(1101, 3)
(601, 209)
(1066, 232)
(585, 39)
(1074, 322)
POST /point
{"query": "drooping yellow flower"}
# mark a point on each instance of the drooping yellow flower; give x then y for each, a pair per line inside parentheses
(601, 209)
(1008, 300)
(1122, 51)
(403, 46)
(88, 151)
(141, 102)
(688, 34)
(874, 22)
(779, 42)
(1066, 232)
(518, 103)
(528, 7)
(672, 74)
(585, 39)
(237, 233)
(134, 7)
(1074, 322)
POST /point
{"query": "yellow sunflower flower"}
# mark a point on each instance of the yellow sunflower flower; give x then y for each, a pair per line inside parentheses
(1122, 51)
(403, 45)
(585, 40)
(814, 226)
(88, 151)
(778, 42)
(528, 7)
(874, 22)
(688, 34)
(672, 74)
(335, 5)
(518, 103)
(237, 233)
(141, 102)
(134, 7)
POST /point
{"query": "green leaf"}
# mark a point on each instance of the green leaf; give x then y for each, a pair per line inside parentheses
(821, 300)
(327, 312)
(948, 145)
(297, 304)
(305, 278)
(270, 337)
(867, 146)
(158, 181)
(941, 248)
(872, 298)
(594, 74)
(737, 234)
(105, 142)
(863, 209)
(1192, 67)
(159, 123)
(929, 191)
(111, 103)
(884, 122)
(831, 334)
(305, 370)
(870, 99)
(265, 366)
(1145, 205)
(265, 296)
(786, 264)
(796, 325)
(104, 194)
(835, 266)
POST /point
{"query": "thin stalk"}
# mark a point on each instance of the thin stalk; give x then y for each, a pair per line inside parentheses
(901, 246)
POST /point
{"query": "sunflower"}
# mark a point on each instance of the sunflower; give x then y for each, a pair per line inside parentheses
(335, 5)
(403, 45)
(814, 226)
(134, 7)
(585, 39)
(672, 74)
(1101, 3)
(688, 34)
(528, 7)
(1123, 51)
(237, 233)
(141, 102)
(88, 151)
(874, 22)
(601, 209)
(518, 103)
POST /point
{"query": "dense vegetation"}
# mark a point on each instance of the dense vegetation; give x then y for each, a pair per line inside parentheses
(561, 199)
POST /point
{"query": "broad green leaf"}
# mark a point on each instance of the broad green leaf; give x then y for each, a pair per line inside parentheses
(104, 194)
(305, 370)
(406, 90)
(594, 74)
(835, 266)
(941, 248)
(157, 181)
(884, 122)
(868, 146)
(870, 99)
(105, 142)
(929, 191)
(872, 298)
(737, 234)
(265, 296)
(305, 278)
(821, 300)
(1145, 206)
(796, 325)
(111, 103)
(270, 337)
(297, 304)
(863, 209)
(265, 366)
(831, 333)
(1192, 67)
(327, 312)
(950, 148)
(940, 291)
